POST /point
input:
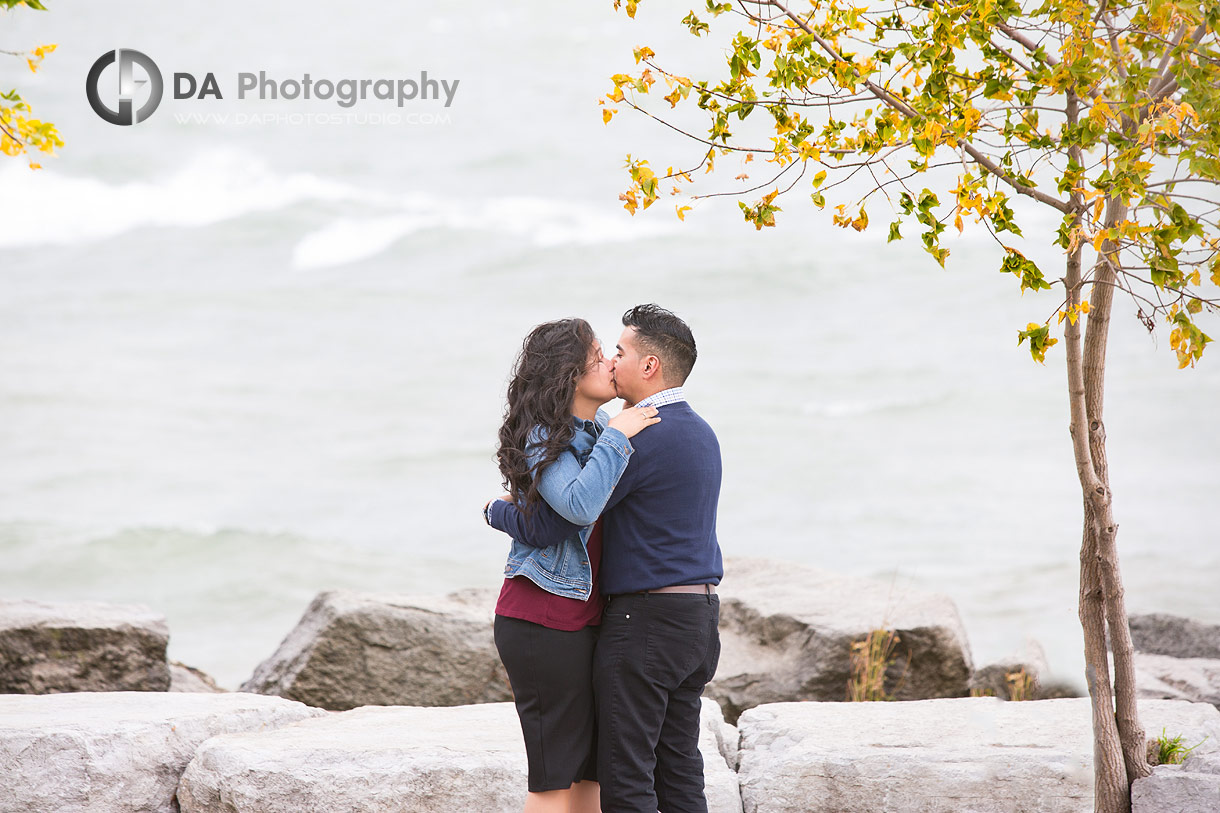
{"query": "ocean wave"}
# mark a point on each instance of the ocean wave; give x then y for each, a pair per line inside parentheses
(865, 406)
(223, 184)
(215, 186)
(544, 223)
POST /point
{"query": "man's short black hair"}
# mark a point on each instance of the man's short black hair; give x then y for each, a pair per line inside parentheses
(662, 334)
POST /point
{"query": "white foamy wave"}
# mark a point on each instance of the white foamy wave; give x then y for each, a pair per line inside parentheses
(544, 223)
(346, 240)
(47, 207)
(865, 406)
(223, 184)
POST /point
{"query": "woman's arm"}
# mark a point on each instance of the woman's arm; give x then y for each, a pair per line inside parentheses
(542, 529)
(579, 493)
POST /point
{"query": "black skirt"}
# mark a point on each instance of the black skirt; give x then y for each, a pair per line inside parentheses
(551, 672)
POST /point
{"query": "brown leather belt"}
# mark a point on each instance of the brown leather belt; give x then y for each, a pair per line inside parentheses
(701, 589)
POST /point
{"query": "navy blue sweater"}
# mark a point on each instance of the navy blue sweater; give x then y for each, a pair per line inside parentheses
(660, 523)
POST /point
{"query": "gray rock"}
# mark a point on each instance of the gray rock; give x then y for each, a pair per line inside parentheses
(183, 678)
(1172, 790)
(981, 755)
(390, 759)
(1194, 679)
(120, 752)
(81, 647)
(1175, 636)
(786, 633)
(718, 744)
(1206, 762)
(1000, 679)
(355, 649)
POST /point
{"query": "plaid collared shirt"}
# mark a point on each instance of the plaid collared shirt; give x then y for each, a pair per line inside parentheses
(673, 395)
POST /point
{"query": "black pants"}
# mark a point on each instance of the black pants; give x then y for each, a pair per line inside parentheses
(654, 655)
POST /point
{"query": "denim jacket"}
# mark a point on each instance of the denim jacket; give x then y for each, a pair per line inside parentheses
(577, 485)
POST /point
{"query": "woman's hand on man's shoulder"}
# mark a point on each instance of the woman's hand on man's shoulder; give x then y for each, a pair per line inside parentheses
(633, 420)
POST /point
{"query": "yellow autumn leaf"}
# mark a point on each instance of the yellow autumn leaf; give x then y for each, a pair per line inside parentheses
(682, 210)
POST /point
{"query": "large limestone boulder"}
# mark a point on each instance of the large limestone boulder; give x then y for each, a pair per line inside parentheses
(1021, 674)
(1174, 636)
(718, 744)
(1171, 789)
(1194, 679)
(1024, 675)
(982, 755)
(81, 647)
(392, 759)
(116, 752)
(357, 649)
(786, 633)
(183, 678)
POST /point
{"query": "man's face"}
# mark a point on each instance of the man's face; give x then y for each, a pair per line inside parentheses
(627, 366)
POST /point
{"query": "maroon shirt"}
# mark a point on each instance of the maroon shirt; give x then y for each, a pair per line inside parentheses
(521, 598)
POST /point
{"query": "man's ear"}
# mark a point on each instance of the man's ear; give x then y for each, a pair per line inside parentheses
(652, 367)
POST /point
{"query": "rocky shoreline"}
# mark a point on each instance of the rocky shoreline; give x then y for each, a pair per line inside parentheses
(392, 703)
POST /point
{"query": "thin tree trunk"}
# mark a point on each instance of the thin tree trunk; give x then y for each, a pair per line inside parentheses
(1110, 789)
(1131, 733)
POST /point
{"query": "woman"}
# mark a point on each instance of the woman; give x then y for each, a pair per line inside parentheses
(557, 445)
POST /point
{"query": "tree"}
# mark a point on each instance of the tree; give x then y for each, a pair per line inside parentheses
(19, 132)
(1107, 114)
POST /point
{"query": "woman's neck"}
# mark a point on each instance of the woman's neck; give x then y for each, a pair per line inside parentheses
(584, 409)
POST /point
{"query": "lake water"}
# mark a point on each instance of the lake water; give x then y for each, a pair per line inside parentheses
(245, 361)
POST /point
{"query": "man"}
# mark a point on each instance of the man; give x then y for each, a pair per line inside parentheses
(659, 641)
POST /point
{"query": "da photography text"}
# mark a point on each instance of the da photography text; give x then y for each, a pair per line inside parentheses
(140, 83)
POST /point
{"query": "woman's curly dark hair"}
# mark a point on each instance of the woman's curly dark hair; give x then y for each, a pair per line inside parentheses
(553, 358)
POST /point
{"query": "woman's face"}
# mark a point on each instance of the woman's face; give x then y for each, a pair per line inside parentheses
(596, 384)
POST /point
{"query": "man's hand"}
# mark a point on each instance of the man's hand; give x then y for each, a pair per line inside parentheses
(633, 420)
(505, 497)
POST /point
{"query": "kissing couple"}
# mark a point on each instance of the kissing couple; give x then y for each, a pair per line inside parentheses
(607, 623)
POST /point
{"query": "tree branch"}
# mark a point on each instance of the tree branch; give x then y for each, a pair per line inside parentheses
(902, 107)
